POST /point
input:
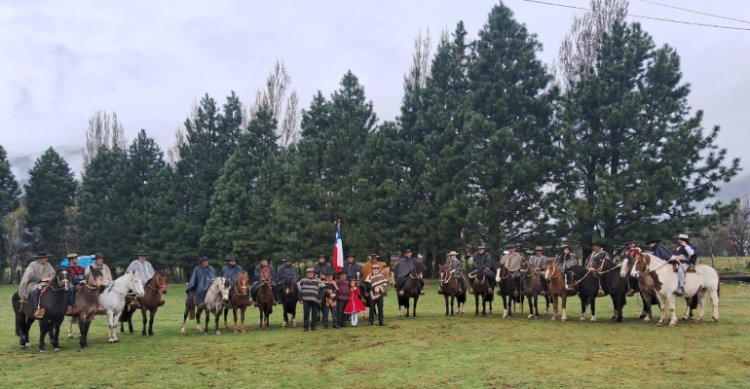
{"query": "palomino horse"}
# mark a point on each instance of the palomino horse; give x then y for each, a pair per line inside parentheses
(112, 299)
(87, 303)
(449, 287)
(506, 288)
(239, 299)
(481, 289)
(531, 285)
(217, 297)
(53, 298)
(151, 301)
(265, 297)
(557, 289)
(289, 298)
(703, 279)
(645, 287)
(411, 289)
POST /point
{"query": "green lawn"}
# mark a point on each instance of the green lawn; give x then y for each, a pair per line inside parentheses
(430, 351)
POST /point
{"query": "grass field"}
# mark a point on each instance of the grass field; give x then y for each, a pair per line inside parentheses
(430, 351)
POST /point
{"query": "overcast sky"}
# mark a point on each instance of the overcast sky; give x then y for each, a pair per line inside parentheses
(151, 60)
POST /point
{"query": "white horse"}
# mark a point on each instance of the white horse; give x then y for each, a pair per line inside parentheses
(113, 299)
(705, 279)
(217, 298)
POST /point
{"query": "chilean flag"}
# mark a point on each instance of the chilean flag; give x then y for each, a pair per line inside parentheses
(338, 249)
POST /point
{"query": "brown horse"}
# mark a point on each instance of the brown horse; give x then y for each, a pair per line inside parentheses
(481, 289)
(557, 288)
(151, 301)
(531, 286)
(87, 302)
(239, 298)
(265, 297)
(449, 287)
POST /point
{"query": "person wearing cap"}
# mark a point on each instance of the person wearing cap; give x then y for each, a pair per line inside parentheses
(231, 270)
(322, 267)
(455, 267)
(367, 267)
(404, 268)
(512, 261)
(539, 261)
(77, 274)
(37, 274)
(99, 264)
(201, 279)
(256, 280)
(483, 262)
(658, 249)
(310, 288)
(287, 270)
(377, 286)
(598, 256)
(352, 269)
(685, 256)
(141, 266)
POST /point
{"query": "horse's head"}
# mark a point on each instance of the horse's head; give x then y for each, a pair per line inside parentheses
(95, 277)
(161, 281)
(551, 269)
(224, 286)
(135, 284)
(62, 277)
(627, 264)
(265, 275)
(288, 286)
(243, 284)
(641, 264)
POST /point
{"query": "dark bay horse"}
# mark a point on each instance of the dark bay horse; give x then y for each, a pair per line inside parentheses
(506, 288)
(584, 282)
(151, 301)
(289, 299)
(613, 285)
(449, 286)
(239, 299)
(265, 297)
(481, 290)
(53, 298)
(411, 289)
(87, 303)
(557, 289)
(531, 286)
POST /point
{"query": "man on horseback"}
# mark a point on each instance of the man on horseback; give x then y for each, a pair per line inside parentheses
(77, 274)
(684, 256)
(200, 281)
(143, 267)
(256, 281)
(483, 262)
(322, 267)
(286, 271)
(101, 266)
(231, 270)
(36, 276)
(597, 257)
(455, 268)
(404, 269)
(512, 261)
(539, 262)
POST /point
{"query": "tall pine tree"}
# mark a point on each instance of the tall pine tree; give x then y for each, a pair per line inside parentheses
(50, 189)
(9, 189)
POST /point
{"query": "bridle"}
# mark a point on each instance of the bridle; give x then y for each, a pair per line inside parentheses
(240, 288)
(159, 287)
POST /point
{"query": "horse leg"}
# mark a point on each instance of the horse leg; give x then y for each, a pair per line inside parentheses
(445, 296)
(217, 318)
(593, 308)
(414, 309)
(242, 319)
(476, 304)
(84, 329)
(131, 312)
(208, 321)
(184, 319)
(453, 302)
(234, 316)
(43, 329)
(554, 307)
(715, 302)
(143, 315)
(484, 305)
(56, 333)
(673, 314)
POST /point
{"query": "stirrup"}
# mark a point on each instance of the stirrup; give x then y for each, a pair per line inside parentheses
(39, 313)
(630, 293)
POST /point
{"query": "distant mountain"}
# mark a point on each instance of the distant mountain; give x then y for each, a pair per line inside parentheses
(21, 164)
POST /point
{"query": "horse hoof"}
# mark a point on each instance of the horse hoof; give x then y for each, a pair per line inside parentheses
(593, 318)
(294, 323)
(283, 324)
(41, 350)
(57, 349)
(218, 332)
(199, 328)
(235, 331)
(183, 330)
(659, 324)
(672, 324)
(647, 319)
(582, 318)
(531, 317)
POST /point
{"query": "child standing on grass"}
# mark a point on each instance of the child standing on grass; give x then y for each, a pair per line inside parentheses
(355, 305)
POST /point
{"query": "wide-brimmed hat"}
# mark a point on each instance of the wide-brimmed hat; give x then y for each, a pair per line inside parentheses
(481, 246)
(41, 254)
(203, 259)
(453, 252)
(288, 259)
(538, 248)
(510, 246)
(72, 255)
(653, 241)
(321, 256)
(142, 253)
(564, 245)
(310, 270)
(350, 255)
(628, 243)
(597, 243)
(408, 251)
(231, 257)
(98, 255)
(683, 237)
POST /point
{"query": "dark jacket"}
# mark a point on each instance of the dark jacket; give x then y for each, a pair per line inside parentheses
(201, 278)
(351, 269)
(344, 293)
(691, 258)
(484, 260)
(660, 251)
(321, 269)
(286, 272)
(231, 272)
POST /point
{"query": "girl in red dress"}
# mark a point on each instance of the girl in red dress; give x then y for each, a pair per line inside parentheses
(355, 305)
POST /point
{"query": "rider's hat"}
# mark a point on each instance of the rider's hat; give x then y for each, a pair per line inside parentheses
(41, 254)
(142, 253)
(288, 259)
(481, 246)
(321, 256)
(408, 251)
(653, 241)
(72, 255)
(98, 255)
(597, 243)
(310, 270)
(231, 257)
(453, 252)
(684, 237)
(203, 259)
(510, 246)
(538, 248)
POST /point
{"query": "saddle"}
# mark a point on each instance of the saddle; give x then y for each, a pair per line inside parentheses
(676, 267)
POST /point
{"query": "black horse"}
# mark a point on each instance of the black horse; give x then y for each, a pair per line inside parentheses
(586, 284)
(613, 285)
(481, 289)
(508, 290)
(411, 289)
(289, 298)
(54, 299)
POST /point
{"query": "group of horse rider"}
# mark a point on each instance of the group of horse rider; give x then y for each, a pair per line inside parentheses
(40, 272)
